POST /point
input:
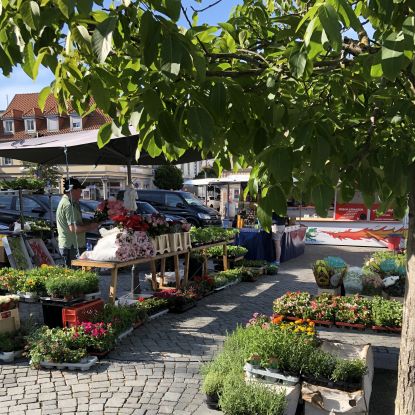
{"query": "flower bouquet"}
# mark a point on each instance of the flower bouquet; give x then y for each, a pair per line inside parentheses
(109, 208)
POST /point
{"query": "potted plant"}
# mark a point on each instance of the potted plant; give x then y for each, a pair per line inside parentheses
(348, 374)
(211, 386)
(322, 309)
(253, 362)
(7, 347)
(97, 338)
(271, 269)
(292, 304)
(272, 366)
(152, 306)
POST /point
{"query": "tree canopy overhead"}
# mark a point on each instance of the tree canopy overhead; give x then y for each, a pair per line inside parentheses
(294, 89)
(277, 86)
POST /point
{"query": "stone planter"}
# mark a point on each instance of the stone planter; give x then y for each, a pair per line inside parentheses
(7, 357)
(175, 242)
(161, 244)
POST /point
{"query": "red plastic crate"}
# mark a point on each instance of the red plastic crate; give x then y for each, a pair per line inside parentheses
(71, 316)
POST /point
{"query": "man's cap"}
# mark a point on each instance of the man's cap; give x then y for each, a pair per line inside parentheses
(72, 183)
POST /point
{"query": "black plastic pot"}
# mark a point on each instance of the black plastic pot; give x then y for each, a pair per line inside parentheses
(212, 401)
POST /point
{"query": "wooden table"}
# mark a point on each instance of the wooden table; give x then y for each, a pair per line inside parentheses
(115, 266)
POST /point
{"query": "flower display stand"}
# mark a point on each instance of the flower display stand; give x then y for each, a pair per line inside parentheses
(175, 240)
(321, 400)
(161, 244)
(85, 364)
(292, 393)
(186, 241)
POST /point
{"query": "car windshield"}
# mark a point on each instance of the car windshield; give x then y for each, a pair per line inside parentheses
(55, 199)
(191, 199)
(88, 206)
(146, 209)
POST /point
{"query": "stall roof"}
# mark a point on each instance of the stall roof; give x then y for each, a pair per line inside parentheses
(232, 178)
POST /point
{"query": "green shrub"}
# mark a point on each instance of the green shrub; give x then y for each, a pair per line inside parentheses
(212, 383)
(349, 371)
(239, 398)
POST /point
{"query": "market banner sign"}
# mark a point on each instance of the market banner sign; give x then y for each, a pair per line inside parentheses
(353, 234)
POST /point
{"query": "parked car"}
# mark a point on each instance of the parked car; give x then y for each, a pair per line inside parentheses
(37, 206)
(178, 203)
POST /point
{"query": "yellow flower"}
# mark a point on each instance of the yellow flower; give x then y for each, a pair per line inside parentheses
(300, 321)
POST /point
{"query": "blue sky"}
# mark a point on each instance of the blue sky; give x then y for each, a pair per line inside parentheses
(19, 82)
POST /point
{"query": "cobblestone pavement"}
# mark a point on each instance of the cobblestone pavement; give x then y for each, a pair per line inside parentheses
(156, 369)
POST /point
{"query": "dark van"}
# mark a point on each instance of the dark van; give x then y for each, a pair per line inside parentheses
(182, 204)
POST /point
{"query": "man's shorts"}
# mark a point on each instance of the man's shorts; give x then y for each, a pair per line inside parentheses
(277, 232)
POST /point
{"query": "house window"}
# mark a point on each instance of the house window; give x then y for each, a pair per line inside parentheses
(7, 161)
(30, 125)
(8, 126)
(76, 122)
(53, 123)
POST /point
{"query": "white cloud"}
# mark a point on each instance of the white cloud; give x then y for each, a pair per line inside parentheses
(19, 83)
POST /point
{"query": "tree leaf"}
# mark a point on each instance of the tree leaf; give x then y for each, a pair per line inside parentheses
(297, 62)
(149, 34)
(104, 134)
(102, 38)
(201, 125)
(320, 153)
(167, 127)
(172, 9)
(330, 21)
(29, 60)
(322, 196)
(280, 162)
(81, 36)
(43, 95)
(85, 7)
(30, 13)
(171, 55)
(100, 93)
(217, 100)
(152, 103)
(392, 55)
(66, 7)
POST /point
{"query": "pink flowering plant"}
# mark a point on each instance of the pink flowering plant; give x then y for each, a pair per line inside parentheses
(258, 319)
(95, 337)
(354, 309)
(133, 244)
(157, 225)
(322, 308)
(108, 209)
(295, 304)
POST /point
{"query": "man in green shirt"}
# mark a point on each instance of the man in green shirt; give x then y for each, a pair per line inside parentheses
(71, 229)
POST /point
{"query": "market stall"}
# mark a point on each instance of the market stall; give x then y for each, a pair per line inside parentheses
(261, 246)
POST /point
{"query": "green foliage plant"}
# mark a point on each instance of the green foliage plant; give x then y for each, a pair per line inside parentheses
(387, 313)
(349, 371)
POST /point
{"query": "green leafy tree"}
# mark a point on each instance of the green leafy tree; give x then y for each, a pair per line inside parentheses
(49, 174)
(293, 89)
(168, 177)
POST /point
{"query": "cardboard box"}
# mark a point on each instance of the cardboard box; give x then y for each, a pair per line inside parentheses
(9, 321)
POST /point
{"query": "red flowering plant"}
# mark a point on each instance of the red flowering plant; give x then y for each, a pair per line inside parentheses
(131, 222)
(322, 308)
(354, 309)
(295, 304)
(202, 285)
(95, 337)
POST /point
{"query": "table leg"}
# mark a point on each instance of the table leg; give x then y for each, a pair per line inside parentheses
(225, 257)
(162, 270)
(113, 286)
(153, 274)
(176, 270)
(186, 268)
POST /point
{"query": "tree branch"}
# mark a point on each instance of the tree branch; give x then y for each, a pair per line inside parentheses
(190, 24)
(254, 60)
(205, 8)
(234, 74)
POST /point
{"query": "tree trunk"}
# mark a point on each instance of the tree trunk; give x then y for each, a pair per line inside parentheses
(405, 397)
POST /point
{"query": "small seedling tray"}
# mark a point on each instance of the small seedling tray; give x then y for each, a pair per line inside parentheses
(84, 364)
(159, 314)
(291, 380)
